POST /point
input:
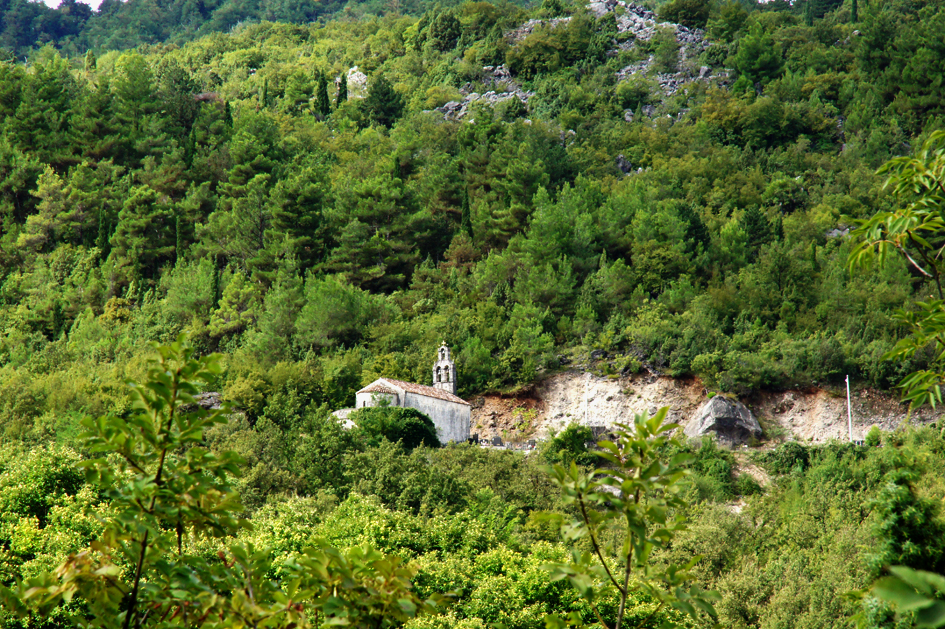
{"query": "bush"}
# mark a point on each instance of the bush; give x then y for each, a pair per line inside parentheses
(408, 426)
(666, 51)
(689, 13)
(787, 458)
(635, 92)
(745, 485)
(874, 437)
(570, 445)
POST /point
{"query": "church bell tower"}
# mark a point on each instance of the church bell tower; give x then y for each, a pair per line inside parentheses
(444, 371)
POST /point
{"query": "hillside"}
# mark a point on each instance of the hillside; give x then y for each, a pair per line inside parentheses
(600, 209)
(694, 221)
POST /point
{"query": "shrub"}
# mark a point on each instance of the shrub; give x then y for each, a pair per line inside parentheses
(407, 425)
(690, 13)
(570, 445)
(787, 457)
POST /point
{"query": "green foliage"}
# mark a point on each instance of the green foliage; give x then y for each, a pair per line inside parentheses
(550, 48)
(397, 424)
(322, 104)
(165, 489)
(690, 13)
(383, 105)
(914, 233)
(758, 57)
(918, 594)
(646, 490)
(666, 50)
(187, 186)
(909, 527)
(570, 445)
(788, 457)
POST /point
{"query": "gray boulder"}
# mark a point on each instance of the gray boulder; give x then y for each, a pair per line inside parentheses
(728, 420)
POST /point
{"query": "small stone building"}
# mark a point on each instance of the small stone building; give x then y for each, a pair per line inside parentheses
(450, 413)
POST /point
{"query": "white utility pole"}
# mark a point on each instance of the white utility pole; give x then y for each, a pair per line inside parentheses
(587, 383)
(849, 412)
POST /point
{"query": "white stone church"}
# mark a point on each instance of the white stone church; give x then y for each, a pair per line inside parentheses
(449, 412)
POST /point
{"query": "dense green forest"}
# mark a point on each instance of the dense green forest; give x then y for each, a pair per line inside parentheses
(222, 189)
(474, 530)
(171, 168)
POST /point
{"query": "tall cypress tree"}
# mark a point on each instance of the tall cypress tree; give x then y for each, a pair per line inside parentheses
(322, 104)
(179, 240)
(264, 95)
(342, 90)
(854, 13)
(466, 221)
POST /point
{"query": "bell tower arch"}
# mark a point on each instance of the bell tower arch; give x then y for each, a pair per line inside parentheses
(444, 370)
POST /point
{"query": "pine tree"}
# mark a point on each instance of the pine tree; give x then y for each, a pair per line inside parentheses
(144, 238)
(91, 63)
(103, 233)
(383, 105)
(238, 309)
(854, 13)
(228, 115)
(215, 284)
(757, 227)
(445, 31)
(190, 147)
(697, 233)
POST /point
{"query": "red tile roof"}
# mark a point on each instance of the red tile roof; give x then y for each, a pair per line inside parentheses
(378, 387)
(410, 387)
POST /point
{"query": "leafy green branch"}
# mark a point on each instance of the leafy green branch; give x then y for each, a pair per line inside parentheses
(916, 232)
(638, 494)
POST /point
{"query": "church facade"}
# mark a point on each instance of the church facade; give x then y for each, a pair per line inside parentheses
(450, 413)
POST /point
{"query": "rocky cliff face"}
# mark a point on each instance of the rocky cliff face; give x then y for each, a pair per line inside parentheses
(815, 415)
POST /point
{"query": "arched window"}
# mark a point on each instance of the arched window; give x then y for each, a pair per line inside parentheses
(438, 375)
(447, 370)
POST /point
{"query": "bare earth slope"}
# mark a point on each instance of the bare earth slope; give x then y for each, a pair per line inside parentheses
(581, 397)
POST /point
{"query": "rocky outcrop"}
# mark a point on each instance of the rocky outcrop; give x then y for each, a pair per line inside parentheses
(357, 83)
(517, 35)
(726, 419)
(643, 23)
(498, 77)
(600, 402)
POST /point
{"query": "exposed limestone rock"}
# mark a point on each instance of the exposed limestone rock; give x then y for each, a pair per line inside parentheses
(529, 27)
(357, 83)
(600, 402)
(727, 420)
(495, 76)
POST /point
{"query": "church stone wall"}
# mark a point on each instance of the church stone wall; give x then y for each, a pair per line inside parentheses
(451, 419)
(374, 399)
